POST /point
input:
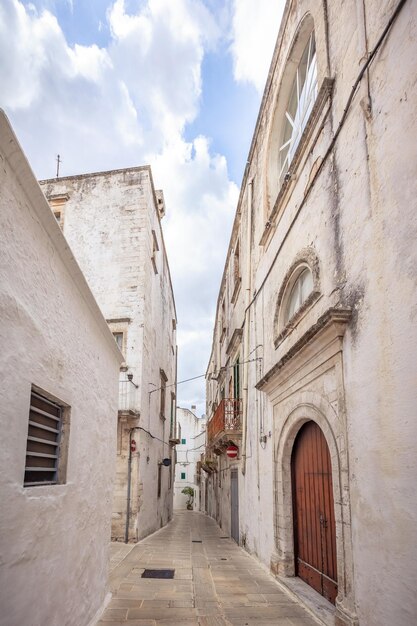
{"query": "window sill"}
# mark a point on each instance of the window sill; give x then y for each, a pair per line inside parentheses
(284, 191)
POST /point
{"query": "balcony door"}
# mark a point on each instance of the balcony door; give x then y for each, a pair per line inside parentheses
(236, 380)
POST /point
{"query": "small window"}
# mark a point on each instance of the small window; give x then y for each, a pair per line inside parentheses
(119, 340)
(299, 293)
(57, 204)
(183, 441)
(182, 475)
(155, 249)
(44, 442)
(223, 321)
(163, 383)
(236, 265)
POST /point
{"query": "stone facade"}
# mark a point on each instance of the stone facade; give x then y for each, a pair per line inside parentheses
(187, 470)
(112, 221)
(54, 525)
(328, 218)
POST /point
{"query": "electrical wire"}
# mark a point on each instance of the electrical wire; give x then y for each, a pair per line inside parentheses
(150, 434)
(187, 380)
(332, 143)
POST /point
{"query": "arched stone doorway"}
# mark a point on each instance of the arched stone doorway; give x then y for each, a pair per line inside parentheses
(313, 511)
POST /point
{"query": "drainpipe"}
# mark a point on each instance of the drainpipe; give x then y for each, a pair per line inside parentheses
(129, 480)
(247, 319)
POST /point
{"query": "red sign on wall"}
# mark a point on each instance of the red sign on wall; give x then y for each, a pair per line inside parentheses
(232, 452)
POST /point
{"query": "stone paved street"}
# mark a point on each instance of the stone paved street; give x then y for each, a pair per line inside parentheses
(215, 583)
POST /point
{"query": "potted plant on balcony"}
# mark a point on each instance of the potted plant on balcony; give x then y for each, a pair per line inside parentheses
(189, 491)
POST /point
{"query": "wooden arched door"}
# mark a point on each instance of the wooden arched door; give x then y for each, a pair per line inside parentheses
(313, 508)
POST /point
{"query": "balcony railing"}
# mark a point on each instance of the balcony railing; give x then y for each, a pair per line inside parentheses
(128, 396)
(226, 421)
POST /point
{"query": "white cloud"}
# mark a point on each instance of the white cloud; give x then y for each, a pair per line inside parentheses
(255, 29)
(128, 104)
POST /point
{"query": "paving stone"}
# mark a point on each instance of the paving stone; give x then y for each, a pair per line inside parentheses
(205, 590)
(126, 603)
(160, 613)
(114, 614)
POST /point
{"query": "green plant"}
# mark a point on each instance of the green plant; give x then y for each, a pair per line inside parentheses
(189, 491)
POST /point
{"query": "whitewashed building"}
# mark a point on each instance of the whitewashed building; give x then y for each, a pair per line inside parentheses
(192, 437)
(312, 373)
(59, 368)
(112, 221)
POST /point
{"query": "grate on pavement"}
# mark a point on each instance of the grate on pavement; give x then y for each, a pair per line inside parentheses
(158, 573)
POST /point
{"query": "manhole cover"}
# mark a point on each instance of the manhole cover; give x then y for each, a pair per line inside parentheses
(158, 573)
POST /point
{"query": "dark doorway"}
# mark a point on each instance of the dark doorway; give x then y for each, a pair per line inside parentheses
(314, 523)
(234, 499)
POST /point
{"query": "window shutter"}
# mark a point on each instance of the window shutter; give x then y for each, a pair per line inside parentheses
(44, 433)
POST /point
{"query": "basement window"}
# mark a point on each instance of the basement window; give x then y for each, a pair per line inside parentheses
(47, 441)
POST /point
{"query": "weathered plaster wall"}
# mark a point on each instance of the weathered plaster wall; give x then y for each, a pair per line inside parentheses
(112, 223)
(54, 539)
(356, 214)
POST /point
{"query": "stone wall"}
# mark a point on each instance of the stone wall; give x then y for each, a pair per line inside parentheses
(54, 538)
(112, 223)
(347, 211)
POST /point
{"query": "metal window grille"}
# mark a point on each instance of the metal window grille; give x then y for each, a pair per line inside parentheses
(44, 434)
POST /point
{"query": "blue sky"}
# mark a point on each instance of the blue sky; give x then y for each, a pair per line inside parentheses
(173, 83)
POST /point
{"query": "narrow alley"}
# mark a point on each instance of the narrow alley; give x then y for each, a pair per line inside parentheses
(215, 582)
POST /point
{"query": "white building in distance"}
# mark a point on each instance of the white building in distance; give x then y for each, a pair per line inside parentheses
(59, 367)
(192, 444)
(112, 221)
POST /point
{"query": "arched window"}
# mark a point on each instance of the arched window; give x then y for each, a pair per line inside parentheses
(299, 290)
(299, 293)
(303, 94)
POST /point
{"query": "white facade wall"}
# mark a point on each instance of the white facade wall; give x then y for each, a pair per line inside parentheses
(112, 222)
(353, 217)
(192, 444)
(54, 538)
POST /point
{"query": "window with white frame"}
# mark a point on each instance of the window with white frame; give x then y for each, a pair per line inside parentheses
(119, 328)
(119, 340)
(299, 293)
(303, 94)
(299, 290)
